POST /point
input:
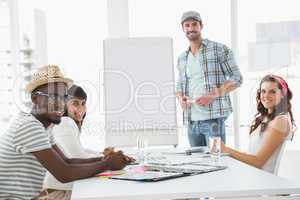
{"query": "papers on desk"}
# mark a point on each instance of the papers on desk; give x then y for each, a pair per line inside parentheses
(153, 173)
(187, 168)
(186, 151)
(111, 173)
(140, 173)
(201, 151)
(168, 164)
(175, 160)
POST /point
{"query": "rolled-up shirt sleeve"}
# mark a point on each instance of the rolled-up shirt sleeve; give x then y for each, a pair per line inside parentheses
(230, 68)
(178, 88)
(178, 85)
(31, 137)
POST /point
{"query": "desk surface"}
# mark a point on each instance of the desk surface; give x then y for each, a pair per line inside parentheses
(237, 180)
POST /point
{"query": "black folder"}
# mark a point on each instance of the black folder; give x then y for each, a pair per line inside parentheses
(149, 176)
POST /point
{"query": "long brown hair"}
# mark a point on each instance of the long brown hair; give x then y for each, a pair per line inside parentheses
(283, 107)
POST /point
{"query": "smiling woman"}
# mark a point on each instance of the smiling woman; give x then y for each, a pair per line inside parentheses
(272, 126)
(273, 98)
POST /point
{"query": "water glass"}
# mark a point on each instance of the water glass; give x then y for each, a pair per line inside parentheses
(142, 144)
(215, 148)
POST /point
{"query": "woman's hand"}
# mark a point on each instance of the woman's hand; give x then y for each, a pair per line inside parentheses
(223, 148)
(129, 159)
(115, 160)
(108, 150)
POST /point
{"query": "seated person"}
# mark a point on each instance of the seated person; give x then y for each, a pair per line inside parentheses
(67, 137)
(28, 149)
(272, 126)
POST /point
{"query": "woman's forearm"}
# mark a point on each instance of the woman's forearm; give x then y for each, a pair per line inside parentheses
(244, 157)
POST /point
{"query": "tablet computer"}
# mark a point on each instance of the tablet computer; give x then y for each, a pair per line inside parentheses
(149, 176)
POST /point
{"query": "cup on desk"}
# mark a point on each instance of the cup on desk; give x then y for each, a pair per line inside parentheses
(215, 147)
(142, 144)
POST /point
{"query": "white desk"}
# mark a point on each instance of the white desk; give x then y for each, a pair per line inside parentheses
(238, 180)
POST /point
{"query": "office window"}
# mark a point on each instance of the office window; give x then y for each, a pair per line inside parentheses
(268, 34)
(75, 31)
(5, 65)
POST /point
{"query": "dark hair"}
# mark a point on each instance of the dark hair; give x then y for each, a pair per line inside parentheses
(76, 92)
(200, 22)
(283, 107)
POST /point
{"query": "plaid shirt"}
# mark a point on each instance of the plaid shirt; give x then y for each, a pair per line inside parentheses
(218, 66)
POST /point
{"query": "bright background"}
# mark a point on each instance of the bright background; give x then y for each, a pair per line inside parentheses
(75, 30)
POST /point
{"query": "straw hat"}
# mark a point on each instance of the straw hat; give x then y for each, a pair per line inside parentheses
(47, 74)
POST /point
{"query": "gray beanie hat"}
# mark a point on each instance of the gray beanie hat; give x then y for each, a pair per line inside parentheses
(191, 15)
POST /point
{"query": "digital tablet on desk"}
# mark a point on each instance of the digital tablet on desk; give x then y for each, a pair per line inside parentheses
(149, 176)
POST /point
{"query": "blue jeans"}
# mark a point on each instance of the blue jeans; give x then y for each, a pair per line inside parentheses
(199, 131)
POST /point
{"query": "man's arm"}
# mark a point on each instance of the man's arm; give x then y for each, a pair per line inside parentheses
(179, 96)
(230, 70)
(183, 100)
(76, 160)
(107, 152)
(227, 87)
(66, 172)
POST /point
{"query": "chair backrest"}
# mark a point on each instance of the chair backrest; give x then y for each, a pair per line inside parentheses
(278, 160)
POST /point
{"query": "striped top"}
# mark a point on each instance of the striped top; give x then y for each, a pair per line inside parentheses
(21, 175)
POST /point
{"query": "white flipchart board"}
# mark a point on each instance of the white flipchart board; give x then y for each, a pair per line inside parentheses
(139, 91)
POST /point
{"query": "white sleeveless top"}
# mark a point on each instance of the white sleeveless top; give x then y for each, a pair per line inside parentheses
(281, 123)
(67, 137)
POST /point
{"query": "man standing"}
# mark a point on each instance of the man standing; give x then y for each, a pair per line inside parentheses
(28, 148)
(207, 73)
